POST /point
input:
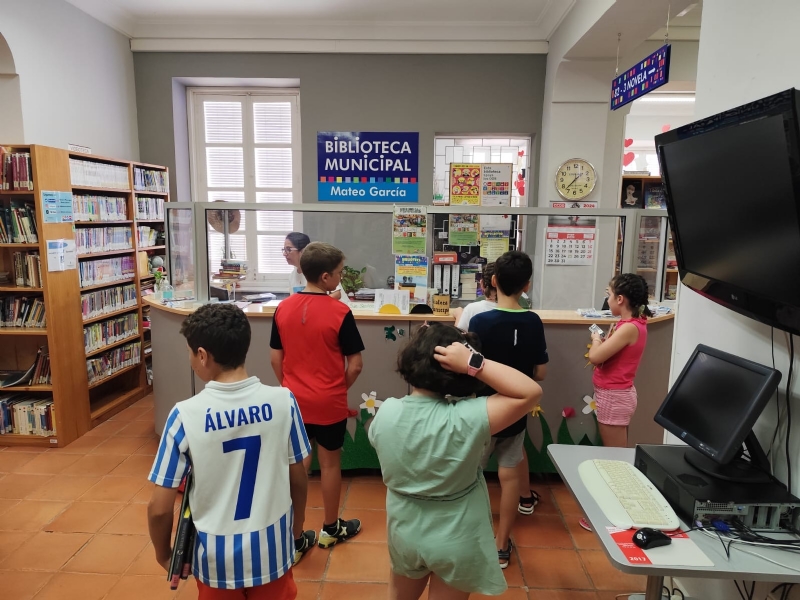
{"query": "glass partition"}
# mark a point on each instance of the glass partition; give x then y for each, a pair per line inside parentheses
(180, 223)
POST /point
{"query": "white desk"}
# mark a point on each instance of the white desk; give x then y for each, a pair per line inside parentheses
(740, 566)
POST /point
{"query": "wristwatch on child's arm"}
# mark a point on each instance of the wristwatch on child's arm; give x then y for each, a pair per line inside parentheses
(475, 363)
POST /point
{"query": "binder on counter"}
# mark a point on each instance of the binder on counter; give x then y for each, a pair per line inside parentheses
(456, 279)
(180, 564)
(437, 278)
(446, 269)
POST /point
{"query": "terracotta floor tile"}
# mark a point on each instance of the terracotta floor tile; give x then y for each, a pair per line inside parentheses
(143, 495)
(31, 515)
(547, 504)
(306, 590)
(359, 562)
(147, 415)
(145, 563)
(510, 594)
(94, 464)
(7, 503)
(137, 587)
(114, 489)
(551, 568)
(106, 429)
(135, 466)
(566, 503)
(85, 517)
(541, 531)
(23, 585)
(187, 590)
(513, 572)
(130, 413)
(140, 429)
(606, 577)
(11, 461)
(48, 464)
(46, 551)
(77, 586)
(314, 499)
(110, 554)
(373, 524)
(10, 541)
(131, 520)
(561, 595)
(313, 565)
(29, 449)
(354, 591)
(150, 447)
(64, 488)
(146, 401)
(19, 486)
(582, 539)
(118, 445)
(365, 495)
(82, 445)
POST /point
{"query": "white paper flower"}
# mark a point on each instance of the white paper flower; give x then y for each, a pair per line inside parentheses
(371, 403)
(590, 405)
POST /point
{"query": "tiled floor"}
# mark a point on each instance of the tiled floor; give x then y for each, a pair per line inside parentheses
(73, 526)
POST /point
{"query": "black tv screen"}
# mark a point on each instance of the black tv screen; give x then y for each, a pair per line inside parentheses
(732, 185)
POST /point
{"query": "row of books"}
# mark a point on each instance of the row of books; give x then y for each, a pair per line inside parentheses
(16, 173)
(99, 208)
(41, 374)
(106, 270)
(108, 300)
(22, 414)
(112, 361)
(148, 180)
(37, 374)
(102, 334)
(28, 269)
(149, 236)
(150, 209)
(148, 287)
(18, 224)
(96, 174)
(21, 311)
(93, 240)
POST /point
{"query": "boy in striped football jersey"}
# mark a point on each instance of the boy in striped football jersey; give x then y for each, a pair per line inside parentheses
(246, 443)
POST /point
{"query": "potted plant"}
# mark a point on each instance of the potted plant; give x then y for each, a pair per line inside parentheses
(352, 280)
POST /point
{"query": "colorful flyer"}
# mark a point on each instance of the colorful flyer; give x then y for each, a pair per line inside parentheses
(50, 202)
(493, 248)
(495, 236)
(496, 185)
(411, 274)
(409, 226)
(465, 184)
(463, 230)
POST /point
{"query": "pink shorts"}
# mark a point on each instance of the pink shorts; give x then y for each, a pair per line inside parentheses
(615, 407)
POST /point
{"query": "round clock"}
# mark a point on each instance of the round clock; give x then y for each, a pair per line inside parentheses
(575, 179)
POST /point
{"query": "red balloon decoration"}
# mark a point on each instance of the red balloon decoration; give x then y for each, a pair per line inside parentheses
(628, 142)
(665, 128)
(628, 158)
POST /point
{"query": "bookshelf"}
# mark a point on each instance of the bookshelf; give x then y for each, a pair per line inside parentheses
(94, 325)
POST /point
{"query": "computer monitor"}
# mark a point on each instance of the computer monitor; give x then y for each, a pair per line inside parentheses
(713, 406)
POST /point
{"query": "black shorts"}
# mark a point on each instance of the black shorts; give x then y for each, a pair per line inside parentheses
(330, 437)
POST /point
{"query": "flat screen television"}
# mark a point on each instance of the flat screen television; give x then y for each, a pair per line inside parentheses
(732, 184)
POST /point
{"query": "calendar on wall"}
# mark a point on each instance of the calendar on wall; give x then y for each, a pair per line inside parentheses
(570, 246)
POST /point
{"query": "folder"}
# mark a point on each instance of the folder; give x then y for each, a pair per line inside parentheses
(180, 563)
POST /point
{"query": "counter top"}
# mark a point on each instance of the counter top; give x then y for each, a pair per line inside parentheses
(552, 317)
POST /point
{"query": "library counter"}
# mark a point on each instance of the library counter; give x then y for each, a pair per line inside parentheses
(569, 379)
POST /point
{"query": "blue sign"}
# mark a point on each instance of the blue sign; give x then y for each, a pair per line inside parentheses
(642, 78)
(366, 166)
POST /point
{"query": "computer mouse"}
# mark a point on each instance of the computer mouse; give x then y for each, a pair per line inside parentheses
(647, 538)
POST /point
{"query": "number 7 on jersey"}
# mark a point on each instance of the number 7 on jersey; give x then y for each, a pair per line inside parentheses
(252, 452)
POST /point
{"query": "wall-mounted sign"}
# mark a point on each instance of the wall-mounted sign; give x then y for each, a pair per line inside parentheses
(365, 166)
(650, 73)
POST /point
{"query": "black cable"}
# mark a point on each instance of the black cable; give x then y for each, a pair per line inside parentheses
(789, 414)
(777, 398)
(787, 590)
(738, 589)
(752, 590)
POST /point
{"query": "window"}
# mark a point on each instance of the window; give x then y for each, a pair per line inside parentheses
(245, 147)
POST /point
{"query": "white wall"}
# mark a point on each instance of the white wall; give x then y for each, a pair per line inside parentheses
(75, 77)
(742, 57)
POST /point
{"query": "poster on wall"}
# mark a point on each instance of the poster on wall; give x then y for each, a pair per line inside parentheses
(496, 184)
(411, 273)
(642, 78)
(409, 225)
(570, 246)
(463, 230)
(465, 184)
(367, 166)
(495, 234)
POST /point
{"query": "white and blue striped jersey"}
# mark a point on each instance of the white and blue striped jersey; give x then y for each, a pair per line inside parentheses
(240, 439)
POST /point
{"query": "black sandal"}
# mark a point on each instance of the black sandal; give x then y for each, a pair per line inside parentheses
(505, 556)
(527, 505)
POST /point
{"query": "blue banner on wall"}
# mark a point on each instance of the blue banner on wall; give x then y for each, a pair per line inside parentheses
(650, 73)
(366, 166)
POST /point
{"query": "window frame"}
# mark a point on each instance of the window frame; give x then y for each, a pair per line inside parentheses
(198, 166)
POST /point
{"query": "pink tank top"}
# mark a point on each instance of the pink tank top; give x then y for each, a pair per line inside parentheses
(618, 372)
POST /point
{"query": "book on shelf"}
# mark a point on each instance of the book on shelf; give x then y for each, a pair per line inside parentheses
(106, 270)
(148, 287)
(97, 174)
(27, 269)
(93, 240)
(148, 236)
(150, 209)
(16, 311)
(96, 209)
(108, 300)
(104, 333)
(150, 180)
(23, 414)
(16, 173)
(37, 374)
(108, 363)
(18, 224)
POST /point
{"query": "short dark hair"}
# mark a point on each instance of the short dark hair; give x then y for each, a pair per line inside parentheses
(633, 288)
(299, 240)
(222, 330)
(319, 258)
(513, 271)
(419, 368)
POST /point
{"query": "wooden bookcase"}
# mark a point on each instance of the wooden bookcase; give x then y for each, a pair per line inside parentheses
(79, 405)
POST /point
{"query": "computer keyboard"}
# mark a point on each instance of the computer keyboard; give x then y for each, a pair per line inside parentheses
(626, 496)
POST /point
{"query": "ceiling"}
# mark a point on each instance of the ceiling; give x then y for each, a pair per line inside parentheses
(407, 21)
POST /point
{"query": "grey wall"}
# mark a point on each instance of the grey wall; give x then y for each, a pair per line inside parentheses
(352, 92)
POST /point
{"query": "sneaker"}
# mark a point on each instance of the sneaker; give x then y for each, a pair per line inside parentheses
(585, 524)
(343, 530)
(303, 544)
(527, 505)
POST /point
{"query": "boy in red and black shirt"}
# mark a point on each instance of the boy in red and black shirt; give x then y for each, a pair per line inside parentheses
(316, 353)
